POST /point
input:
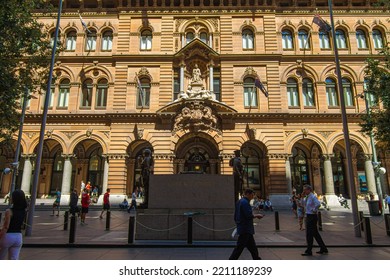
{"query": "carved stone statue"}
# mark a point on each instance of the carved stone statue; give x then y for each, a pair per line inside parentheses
(196, 75)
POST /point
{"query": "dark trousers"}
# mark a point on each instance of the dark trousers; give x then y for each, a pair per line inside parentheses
(245, 240)
(312, 233)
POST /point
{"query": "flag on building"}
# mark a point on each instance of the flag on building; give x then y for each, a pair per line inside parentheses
(84, 24)
(260, 86)
(141, 90)
(322, 24)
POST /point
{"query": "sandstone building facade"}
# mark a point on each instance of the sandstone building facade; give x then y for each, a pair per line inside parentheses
(197, 62)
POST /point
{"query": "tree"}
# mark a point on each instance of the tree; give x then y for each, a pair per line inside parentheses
(24, 58)
(377, 80)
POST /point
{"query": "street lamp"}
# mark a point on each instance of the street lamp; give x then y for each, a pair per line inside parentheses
(31, 209)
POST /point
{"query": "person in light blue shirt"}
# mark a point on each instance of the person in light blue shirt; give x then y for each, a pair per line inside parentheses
(387, 201)
(311, 207)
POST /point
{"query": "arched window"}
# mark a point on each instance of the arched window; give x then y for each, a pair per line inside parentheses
(71, 38)
(52, 35)
(348, 94)
(307, 93)
(324, 40)
(51, 96)
(203, 36)
(63, 95)
(146, 40)
(361, 39)
(303, 39)
(292, 93)
(86, 98)
(341, 40)
(331, 93)
(247, 39)
(377, 38)
(107, 40)
(143, 96)
(250, 94)
(189, 37)
(287, 40)
(101, 94)
(299, 169)
(90, 42)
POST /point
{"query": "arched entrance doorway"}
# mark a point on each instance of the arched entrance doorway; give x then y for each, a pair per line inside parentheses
(197, 153)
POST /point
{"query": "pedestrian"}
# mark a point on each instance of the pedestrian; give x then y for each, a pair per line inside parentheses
(387, 201)
(106, 203)
(238, 173)
(133, 201)
(300, 211)
(11, 238)
(73, 208)
(85, 201)
(56, 203)
(311, 207)
(243, 216)
(82, 186)
(124, 204)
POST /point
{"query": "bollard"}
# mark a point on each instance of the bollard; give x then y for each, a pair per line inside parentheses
(387, 223)
(66, 219)
(189, 230)
(361, 220)
(319, 221)
(108, 219)
(72, 230)
(131, 235)
(277, 227)
(367, 230)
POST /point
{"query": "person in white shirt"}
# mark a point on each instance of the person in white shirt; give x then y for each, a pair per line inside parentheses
(311, 207)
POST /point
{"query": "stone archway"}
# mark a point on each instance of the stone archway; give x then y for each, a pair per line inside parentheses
(197, 153)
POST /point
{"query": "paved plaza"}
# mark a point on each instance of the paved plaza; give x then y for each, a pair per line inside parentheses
(49, 240)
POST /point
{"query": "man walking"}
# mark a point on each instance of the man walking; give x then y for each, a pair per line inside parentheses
(311, 207)
(243, 216)
(106, 203)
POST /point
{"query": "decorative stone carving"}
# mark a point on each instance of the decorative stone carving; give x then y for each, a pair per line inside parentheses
(89, 132)
(196, 116)
(49, 133)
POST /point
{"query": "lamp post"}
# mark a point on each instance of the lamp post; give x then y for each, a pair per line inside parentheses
(350, 175)
(31, 209)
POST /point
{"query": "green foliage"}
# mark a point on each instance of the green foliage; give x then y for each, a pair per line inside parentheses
(24, 58)
(377, 77)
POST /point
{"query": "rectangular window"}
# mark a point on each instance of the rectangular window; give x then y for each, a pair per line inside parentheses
(308, 95)
(70, 43)
(324, 40)
(250, 97)
(63, 97)
(332, 97)
(176, 86)
(217, 88)
(107, 43)
(51, 96)
(86, 96)
(143, 97)
(90, 44)
(348, 97)
(293, 98)
(146, 43)
(101, 97)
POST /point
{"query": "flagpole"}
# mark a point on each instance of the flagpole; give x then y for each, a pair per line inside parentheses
(350, 175)
(37, 168)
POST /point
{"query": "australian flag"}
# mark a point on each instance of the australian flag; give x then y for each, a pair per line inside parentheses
(322, 24)
(260, 86)
(84, 24)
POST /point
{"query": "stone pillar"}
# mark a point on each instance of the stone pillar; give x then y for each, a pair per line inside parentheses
(130, 175)
(370, 174)
(27, 172)
(316, 175)
(211, 40)
(66, 175)
(46, 177)
(182, 66)
(105, 174)
(288, 175)
(213, 166)
(183, 40)
(211, 79)
(328, 175)
(181, 163)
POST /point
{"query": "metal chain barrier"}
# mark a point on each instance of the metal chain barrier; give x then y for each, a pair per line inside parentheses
(161, 230)
(211, 229)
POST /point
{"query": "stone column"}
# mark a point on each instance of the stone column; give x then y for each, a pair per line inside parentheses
(105, 174)
(370, 174)
(181, 163)
(288, 174)
(27, 172)
(211, 79)
(213, 166)
(130, 175)
(66, 175)
(328, 175)
(182, 66)
(183, 40)
(211, 40)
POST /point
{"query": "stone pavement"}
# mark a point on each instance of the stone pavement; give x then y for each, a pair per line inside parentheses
(49, 240)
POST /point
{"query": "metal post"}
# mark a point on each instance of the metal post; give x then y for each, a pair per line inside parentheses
(350, 175)
(387, 223)
(42, 132)
(15, 164)
(361, 220)
(319, 221)
(66, 220)
(131, 233)
(367, 230)
(189, 230)
(72, 231)
(277, 227)
(108, 218)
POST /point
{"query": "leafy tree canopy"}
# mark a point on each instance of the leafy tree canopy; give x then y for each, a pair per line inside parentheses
(24, 58)
(377, 79)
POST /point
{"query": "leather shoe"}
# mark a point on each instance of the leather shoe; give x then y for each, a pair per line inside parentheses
(322, 252)
(307, 254)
